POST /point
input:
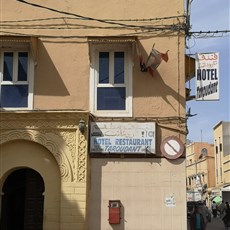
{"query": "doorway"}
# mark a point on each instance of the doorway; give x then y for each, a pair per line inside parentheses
(22, 201)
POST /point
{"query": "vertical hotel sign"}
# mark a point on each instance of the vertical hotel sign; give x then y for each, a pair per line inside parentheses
(207, 77)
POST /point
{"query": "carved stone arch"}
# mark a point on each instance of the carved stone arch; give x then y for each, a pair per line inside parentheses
(55, 144)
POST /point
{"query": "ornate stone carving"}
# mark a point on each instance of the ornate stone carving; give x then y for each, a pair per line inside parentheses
(82, 158)
(58, 132)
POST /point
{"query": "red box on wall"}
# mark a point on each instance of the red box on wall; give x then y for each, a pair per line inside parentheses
(114, 211)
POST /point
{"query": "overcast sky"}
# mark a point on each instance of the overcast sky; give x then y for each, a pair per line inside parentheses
(210, 15)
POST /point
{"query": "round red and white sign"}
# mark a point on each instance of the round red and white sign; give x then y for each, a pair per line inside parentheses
(172, 147)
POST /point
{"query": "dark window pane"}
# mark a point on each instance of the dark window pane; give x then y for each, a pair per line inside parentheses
(119, 67)
(8, 66)
(104, 67)
(14, 96)
(111, 98)
(22, 66)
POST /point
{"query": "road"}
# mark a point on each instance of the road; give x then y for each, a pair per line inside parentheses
(216, 224)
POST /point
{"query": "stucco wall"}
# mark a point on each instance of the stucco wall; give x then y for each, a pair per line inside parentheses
(63, 58)
(142, 187)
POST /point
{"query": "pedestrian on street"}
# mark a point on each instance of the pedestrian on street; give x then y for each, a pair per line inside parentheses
(214, 209)
(222, 208)
(205, 213)
(197, 220)
(226, 218)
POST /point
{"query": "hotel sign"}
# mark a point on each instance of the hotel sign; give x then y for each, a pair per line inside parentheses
(207, 76)
(121, 137)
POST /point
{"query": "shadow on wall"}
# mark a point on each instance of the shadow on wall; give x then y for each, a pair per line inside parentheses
(158, 85)
(48, 81)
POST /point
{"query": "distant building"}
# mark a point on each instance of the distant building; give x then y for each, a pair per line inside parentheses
(200, 174)
(222, 154)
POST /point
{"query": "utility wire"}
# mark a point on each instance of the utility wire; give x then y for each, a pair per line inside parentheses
(93, 19)
(112, 20)
(209, 32)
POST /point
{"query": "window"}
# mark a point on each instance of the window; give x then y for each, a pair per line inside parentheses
(111, 80)
(16, 78)
(220, 147)
(216, 149)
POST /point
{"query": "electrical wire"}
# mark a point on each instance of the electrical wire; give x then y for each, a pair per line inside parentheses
(76, 18)
(75, 26)
(86, 17)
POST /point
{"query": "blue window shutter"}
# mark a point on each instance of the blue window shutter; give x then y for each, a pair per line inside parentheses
(22, 66)
(14, 96)
(111, 98)
(103, 67)
(119, 67)
(8, 66)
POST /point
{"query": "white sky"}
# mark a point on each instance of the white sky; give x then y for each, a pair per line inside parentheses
(210, 15)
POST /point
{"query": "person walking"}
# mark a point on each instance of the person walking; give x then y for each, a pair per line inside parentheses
(222, 208)
(197, 220)
(214, 209)
(206, 213)
(226, 218)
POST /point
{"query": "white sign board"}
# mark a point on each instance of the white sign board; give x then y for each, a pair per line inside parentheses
(207, 77)
(170, 201)
(194, 196)
(122, 137)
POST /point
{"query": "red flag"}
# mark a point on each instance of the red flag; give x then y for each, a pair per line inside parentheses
(165, 56)
(151, 71)
(153, 61)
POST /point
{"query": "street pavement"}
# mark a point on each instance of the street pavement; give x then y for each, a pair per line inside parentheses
(216, 224)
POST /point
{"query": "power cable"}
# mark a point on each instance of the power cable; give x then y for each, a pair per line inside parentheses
(75, 18)
(94, 19)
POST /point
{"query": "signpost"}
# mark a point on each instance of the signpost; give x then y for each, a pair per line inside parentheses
(172, 147)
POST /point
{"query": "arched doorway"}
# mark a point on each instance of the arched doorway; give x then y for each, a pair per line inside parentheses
(22, 201)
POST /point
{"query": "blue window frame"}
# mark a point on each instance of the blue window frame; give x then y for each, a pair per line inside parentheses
(111, 75)
(22, 66)
(14, 91)
(14, 96)
(119, 67)
(8, 66)
(111, 98)
(111, 70)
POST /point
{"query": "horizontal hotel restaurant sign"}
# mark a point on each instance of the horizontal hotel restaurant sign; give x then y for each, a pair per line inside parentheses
(121, 137)
(207, 77)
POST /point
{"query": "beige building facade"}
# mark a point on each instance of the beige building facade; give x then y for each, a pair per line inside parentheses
(200, 173)
(92, 113)
(222, 155)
